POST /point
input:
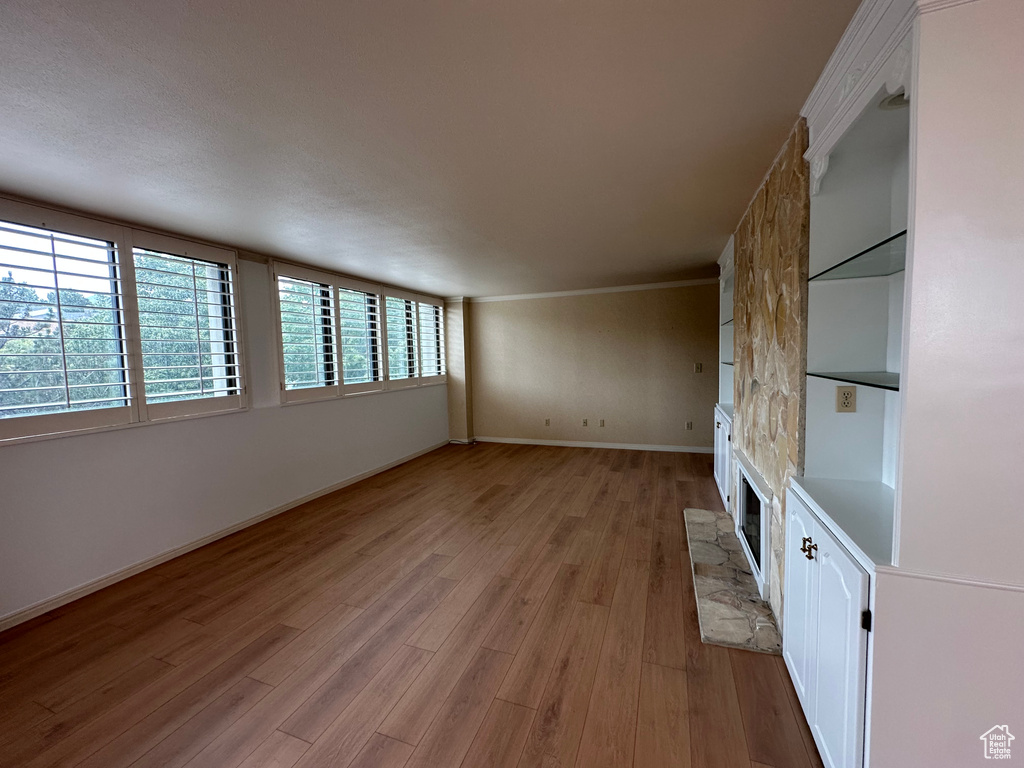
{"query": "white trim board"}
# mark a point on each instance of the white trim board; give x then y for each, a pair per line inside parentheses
(583, 444)
(906, 573)
(25, 614)
(590, 291)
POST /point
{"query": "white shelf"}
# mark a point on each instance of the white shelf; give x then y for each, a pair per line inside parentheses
(859, 513)
(726, 408)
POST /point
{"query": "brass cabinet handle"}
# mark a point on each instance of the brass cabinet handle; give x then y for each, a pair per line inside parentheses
(808, 547)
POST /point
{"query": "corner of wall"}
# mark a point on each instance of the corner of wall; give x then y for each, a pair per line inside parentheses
(459, 364)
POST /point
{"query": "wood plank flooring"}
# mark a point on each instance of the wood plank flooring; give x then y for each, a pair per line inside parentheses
(488, 605)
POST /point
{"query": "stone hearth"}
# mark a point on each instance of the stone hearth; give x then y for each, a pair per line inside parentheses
(730, 610)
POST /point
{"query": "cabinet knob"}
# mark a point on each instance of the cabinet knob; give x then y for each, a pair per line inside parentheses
(718, 425)
(803, 544)
(811, 550)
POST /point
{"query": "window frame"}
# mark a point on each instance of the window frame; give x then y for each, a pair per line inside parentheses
(419, 380)
(349, 284)
(174, 409)
(138, 411)
(337, 283)
(415, 379)
(302, 394)
(442, 359)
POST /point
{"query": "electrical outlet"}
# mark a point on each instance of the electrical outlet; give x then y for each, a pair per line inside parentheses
(584, 422)
(689, 425)
(698, 367)
(846, 399)
(547, 422)
(601, 424)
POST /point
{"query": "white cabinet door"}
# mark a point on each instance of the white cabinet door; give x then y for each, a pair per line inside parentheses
(837, 718)
(720, 443)
(799, 623)
(727, 472)
(823, 642)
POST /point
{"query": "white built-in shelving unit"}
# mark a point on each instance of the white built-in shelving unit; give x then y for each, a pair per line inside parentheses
(724, 408)
(904, 588)
(858, 245)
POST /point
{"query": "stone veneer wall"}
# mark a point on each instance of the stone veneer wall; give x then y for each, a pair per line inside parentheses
(770, 301)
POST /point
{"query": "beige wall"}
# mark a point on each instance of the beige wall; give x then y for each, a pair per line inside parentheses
(625, 357)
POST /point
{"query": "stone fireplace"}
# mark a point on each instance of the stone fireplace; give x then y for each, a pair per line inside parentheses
(770, 337)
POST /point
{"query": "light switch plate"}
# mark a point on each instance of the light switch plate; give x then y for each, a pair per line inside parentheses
(846, 399)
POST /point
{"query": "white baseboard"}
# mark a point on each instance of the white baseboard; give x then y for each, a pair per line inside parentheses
(24, 614)
(581, 444)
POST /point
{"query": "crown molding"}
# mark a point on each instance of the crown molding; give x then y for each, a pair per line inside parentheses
(591, 291)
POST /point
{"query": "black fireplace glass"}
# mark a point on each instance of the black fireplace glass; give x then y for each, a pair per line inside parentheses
(750, 523)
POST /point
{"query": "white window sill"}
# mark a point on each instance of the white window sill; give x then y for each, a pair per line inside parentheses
(347, 395)
(118, 427)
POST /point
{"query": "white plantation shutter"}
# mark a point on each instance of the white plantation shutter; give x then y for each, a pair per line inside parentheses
(431, 327)
(102, 325)
(62, 327)
(359, 322)
(402, 338)
(309, 346)
(341, 336)
(186, 327)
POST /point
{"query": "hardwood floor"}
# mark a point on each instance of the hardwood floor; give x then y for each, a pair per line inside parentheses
(490, 605)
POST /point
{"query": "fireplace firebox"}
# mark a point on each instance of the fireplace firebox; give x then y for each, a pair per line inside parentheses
(750, 520)
(753, 519)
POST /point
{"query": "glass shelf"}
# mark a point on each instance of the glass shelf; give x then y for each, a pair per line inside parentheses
(727, 322)
(878, 379)
(886, 258)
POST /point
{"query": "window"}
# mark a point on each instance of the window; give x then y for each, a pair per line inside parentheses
(330, 335)
(307, 333)
(89, 340)
(432, 363)
(62, 337)
(186, 327)
(360, 338)
(402, 341)
(342, 336)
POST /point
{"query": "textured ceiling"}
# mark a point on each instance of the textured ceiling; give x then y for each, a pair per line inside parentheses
(459, 147)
